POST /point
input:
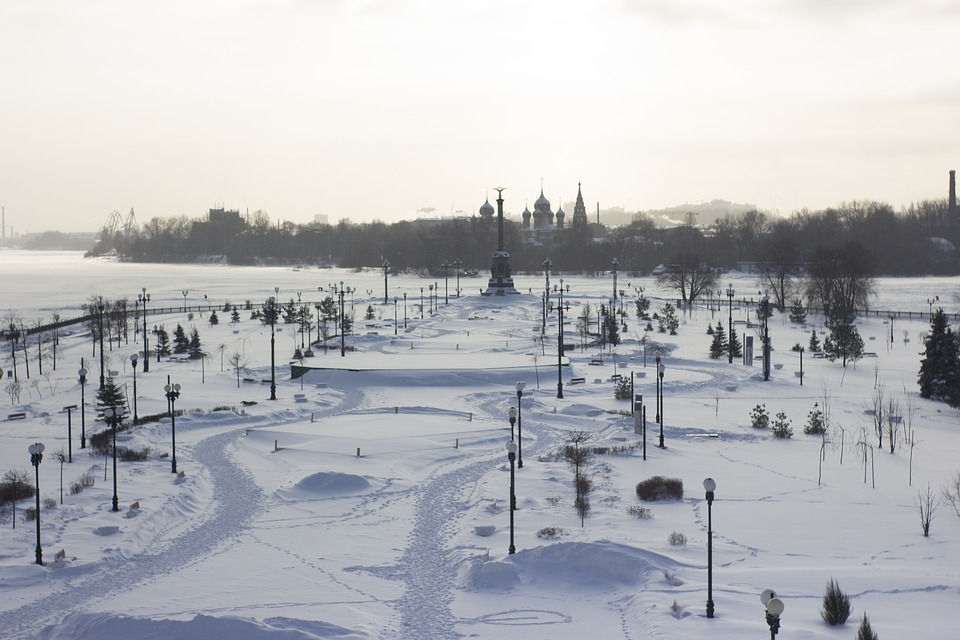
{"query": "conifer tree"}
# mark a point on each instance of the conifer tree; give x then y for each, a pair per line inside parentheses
(235, 316)
(865, 631)
(290, 312)
(181, 344)
(110, 396)
(719, 345)
(611, 329)
(939, 376)
(214, 319)
(163, 342)
(369, 315)
(195, 349)
(735, 345)
(814, 346)
(798, 313)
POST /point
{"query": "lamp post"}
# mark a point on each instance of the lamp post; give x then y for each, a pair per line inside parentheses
(83, 419)
(100, 329)
(386, 270)
(446, 292)
(133, 362)
(114, 418)
(69, 409)
(801, 366)
(341, 291)
(560, 310)
(432, 307)
(144, 298)
(36, 455)
(512, 417)
(546, 303)
(394, 315)
(773, 607)
(421, 303)
(930, 302)
(891, 328)
(271, 309)
(710, 486)
(520, 386)
(730, 294)
(511, 456)
(458, 264)
(660, 370)
(172, 391)
(765, 305)
(615, 264)
(184, 293)
(404, 309)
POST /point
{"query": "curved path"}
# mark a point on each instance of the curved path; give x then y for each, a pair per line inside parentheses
(236, 500)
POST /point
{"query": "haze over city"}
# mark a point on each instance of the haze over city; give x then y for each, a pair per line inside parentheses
(372, 110)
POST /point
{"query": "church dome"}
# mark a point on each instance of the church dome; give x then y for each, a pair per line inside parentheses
(486, 209)
(526, 213)
(542, 204)
(560, 213)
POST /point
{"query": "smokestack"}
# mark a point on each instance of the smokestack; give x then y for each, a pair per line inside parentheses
(953, 190)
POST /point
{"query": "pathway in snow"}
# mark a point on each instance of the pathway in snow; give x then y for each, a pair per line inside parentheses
(236, 501)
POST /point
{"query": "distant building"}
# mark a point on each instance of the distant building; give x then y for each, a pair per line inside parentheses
(320, 218)
(223, 216)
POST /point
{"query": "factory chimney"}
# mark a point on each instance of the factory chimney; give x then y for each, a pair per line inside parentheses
(953, 191)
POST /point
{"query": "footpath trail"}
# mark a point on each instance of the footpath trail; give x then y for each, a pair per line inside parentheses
(236, 500)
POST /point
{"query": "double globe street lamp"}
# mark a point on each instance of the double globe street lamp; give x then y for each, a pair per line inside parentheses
(83, 420)
(512, 456)
(773, 607)
(520, 386)
(709, 485)
(172, 391)
(36, 456)
(114, 418)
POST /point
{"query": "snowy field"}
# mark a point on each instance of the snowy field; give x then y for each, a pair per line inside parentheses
(376, 504)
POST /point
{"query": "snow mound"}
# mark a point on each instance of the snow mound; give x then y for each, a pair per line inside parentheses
(580, 410)
(570, 565)
(108, 627)
(328, 483)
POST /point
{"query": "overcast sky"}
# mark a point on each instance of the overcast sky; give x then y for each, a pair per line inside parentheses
(372, 109)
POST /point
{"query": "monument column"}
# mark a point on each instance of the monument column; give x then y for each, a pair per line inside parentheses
(501, 282)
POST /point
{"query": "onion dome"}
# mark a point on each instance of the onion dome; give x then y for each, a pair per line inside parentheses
(542, 205)
(486, 209)
(526, 217)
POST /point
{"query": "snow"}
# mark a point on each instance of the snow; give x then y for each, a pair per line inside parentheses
(377, 507)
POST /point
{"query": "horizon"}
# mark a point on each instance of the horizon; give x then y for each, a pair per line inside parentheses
(367, 110)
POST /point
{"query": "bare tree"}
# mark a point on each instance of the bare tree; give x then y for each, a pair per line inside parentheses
(13, 390)
(237, 362)
(894, 420)
(579, 456)
(928, 502)
(951, 492)
(877, 409)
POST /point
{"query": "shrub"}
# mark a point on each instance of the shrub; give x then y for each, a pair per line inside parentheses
(865, 632)
(759, 418)
(550, 533)
(132, 455)
(815, 422)
(49, 503)
(781, 426)
(15, 486)
(660, 488)
(30, 514)
(622, 390)
(836, 605)
(75, 488)
(677, 539)
(640, 512)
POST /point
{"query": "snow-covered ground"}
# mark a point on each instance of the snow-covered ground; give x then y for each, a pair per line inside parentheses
(375, 505)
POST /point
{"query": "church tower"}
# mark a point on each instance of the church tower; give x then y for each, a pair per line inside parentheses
(579, 212)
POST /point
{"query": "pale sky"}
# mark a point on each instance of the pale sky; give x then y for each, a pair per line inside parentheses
(372, 109)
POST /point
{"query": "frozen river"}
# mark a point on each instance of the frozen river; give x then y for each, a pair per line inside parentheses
(38, 283)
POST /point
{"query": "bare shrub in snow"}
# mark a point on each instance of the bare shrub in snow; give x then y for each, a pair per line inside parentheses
(639, 512)
(660, 488)
(677, 539)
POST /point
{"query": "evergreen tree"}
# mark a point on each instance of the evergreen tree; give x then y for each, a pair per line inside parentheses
(611, 330)
(195, 348)
(235, 316)
(270, 312)
(798, 313)
(213, 318)
(369, 315)
(865, 631)
(181, 344)
(939, 376)
(328, 309)
(735, 345)
(814, 346)
(719, 345)
(844, 340)
(668, 319)
(110, 396)
(163, 342)
(290, 312)
(815, 421)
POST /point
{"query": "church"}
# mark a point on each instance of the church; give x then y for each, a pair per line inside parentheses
(538, 227)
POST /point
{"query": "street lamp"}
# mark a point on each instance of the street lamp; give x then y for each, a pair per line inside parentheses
(430, 287)
(520, 386)
(404, 309)
(458, 264)
(773, 608)
(512, 417)
(710, 486)
(69, 409)
(546, 302)
(83, 419)
(172, 392)
(730, 294)
(36, 455)
(660, 370)
(184, 293)
(421, 303)
(765, 305)
(144, 298)
(394, 315)
(386, 269)
(560, 310)
(114, 418)
(930, 302)
(341, 291)
(100, 326)
(511, 456)
(271, 310)
(615, 264)
(801, 366)
(446, 292)
(133, 362)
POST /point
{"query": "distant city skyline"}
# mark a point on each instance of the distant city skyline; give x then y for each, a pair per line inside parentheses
(372, 110)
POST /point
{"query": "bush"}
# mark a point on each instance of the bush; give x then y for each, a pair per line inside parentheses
(759, 418)
(677, 539)
(30, 514)
(836, 605)
(660, 488)
(640, 512)
(15, 486)
(781, 426)
(815, 422)
(49, 503)
(132, 455)
(550, 533)
(622, 390)
(865, 632)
